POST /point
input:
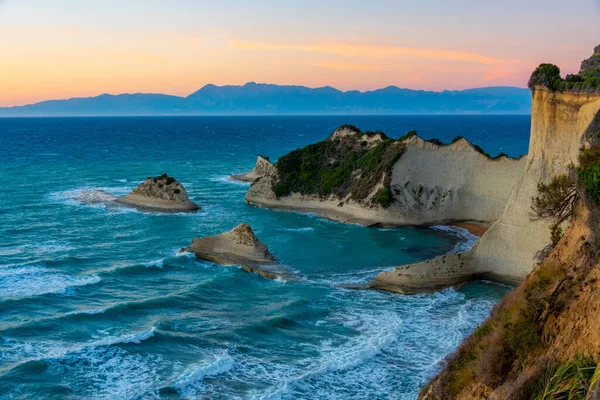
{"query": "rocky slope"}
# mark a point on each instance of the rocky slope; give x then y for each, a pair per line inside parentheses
(368, 178)
(162, 193)
(507, 251)
(261, 168)
(240, 246)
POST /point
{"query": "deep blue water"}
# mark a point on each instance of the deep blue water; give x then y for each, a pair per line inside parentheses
(95, 302)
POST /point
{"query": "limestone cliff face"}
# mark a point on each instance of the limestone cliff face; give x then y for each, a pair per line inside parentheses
(262, 167)
(507, 251)
(433, 184)
(558, 124)
(429, 184)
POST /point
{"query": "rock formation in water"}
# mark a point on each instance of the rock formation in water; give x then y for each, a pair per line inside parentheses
(507, 251)
(161, 193)
(240, 246)
(543, 339)
(368, 178)
(262, 167)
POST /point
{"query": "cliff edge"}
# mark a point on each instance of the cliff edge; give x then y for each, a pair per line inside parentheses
(507, 251)
(368, 178)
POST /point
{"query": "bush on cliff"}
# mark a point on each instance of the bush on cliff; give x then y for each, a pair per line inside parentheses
(339, 166)
(589, 173)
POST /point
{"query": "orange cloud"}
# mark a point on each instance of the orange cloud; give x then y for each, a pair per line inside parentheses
(344, 66)
(373, 51)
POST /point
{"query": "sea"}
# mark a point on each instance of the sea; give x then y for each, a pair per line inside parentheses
(98, 303)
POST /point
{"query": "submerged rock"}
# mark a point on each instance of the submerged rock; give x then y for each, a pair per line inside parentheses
(161, 193)
(240, 246)
(93, 197)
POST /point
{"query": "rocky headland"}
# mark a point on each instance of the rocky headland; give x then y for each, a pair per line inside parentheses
(370, 179)
(261, 168)
(240, 246)
(561, 122)
(543, 340)
(161, 193)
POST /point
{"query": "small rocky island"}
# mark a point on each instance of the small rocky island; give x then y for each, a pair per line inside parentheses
(240, 246)
(161, 193)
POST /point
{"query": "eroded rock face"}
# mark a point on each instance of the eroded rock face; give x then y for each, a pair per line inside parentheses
(240, 246)
(262, 167)
(161, 193)
(507, 251)
(429, 184)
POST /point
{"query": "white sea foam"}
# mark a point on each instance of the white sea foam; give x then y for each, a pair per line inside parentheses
(377, 332)
(466, 238)
(305, 229)
(229, 180)
(189, 383)
(30, 281)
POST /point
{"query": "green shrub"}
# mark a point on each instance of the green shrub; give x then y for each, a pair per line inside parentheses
(408, 135)
(588, 173)
(547, 75)
(340, 167)
(384, 197)
(436, 141)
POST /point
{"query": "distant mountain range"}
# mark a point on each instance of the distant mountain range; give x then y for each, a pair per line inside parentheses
(265, 99)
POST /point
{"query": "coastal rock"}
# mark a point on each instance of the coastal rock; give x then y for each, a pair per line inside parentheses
(240, 246)
(507, 251)
(262, 167)
(429, 183)
(162, 193)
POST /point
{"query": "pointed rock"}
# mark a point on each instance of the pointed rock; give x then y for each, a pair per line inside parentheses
(240, 246)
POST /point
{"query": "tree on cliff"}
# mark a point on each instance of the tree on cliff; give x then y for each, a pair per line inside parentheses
(555, 202)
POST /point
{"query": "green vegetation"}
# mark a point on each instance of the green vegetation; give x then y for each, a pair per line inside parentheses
(340, 166)
(384, 197)
(548, 75)
(589, 173)
(555, 202)
(408, 135)
(572, 380)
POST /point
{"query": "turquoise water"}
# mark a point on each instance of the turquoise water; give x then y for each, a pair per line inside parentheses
(96, 303)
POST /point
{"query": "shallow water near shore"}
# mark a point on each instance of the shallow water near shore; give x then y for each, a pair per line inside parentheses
(96, 302)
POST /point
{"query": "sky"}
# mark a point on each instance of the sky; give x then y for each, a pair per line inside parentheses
(57, 49)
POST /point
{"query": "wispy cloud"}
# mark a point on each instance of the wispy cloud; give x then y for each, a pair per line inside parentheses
(345, 66)
(373, 51)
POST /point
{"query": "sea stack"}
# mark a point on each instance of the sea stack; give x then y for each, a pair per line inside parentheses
(161, 193)
(240, 246)
(261, 168)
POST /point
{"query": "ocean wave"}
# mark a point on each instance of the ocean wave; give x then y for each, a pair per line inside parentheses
(377, 332)
(227, 179)
(189, 383)
(50, 247)
(17, 282)
(305, 229)
(466, 238)
(21, 352)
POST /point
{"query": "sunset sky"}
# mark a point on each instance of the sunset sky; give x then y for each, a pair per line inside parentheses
(71, 48)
